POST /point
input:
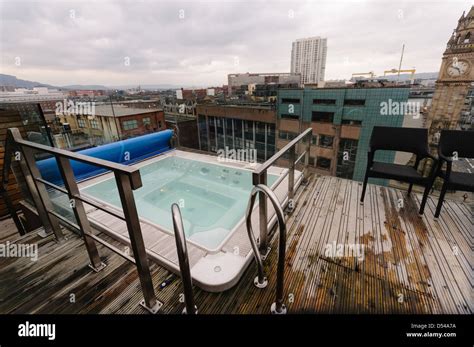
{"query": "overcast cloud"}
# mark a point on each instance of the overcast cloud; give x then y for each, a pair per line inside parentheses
(199, 43)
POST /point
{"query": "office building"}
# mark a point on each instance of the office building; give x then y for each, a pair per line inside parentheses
(247, 82)
(342, 120)
(308, 58)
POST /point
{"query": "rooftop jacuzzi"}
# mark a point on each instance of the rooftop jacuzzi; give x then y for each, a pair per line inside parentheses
(212, 194)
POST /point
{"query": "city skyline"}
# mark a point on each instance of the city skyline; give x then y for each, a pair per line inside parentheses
(200, 44)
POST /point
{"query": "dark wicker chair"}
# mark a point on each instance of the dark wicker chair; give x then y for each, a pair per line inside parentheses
(452, 144)
(412, 140)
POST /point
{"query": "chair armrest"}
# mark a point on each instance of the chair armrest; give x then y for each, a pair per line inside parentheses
(442, 157)
(449, 164)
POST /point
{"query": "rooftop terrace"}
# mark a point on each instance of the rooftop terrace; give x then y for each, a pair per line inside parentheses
(412, 263)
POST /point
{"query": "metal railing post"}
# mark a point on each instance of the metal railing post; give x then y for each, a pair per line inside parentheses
(43, 198)
(262, 211)
(260, 281)
(182, 250)
(307, 155)
(291, 177)
(79, 212)
(15, 135)
(125, 186)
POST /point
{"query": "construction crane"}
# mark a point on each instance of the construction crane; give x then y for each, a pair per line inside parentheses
(399, 70)
(371, 74)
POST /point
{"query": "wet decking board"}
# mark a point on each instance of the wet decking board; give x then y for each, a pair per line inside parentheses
(406, 256)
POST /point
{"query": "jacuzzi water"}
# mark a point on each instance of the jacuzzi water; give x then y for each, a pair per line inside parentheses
(212, 198)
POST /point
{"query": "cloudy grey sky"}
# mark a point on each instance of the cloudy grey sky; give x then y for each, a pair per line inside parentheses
(199, 42)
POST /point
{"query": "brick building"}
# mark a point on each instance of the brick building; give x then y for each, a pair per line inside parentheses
(110, 123)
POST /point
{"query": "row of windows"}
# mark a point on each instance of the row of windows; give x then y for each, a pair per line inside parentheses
(322, 117)
(347, 102)
(126, 125)
(130, 124)
(133, 123)
(81, 122)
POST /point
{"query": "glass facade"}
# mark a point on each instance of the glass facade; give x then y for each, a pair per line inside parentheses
(203, 136)
(221, 132)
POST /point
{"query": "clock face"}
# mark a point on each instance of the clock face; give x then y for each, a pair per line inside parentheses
(457, 68)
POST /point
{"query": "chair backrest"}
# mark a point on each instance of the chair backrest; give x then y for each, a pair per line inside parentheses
(412, 140)
(459, 141)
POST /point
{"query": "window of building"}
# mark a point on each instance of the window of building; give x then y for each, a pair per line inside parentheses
(290, 101)
(326, 141)
(323, 117)
(159, 124)
(314, 139)
(346, 158)
(354, 102)
(81, 123)
(94, 124)
(324, 101)
(130, 124)
(323, 163)
(284, 135)
(146, 121)
(351, 122)
(290, 116)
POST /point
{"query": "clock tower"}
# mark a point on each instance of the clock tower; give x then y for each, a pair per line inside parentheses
(455, 78)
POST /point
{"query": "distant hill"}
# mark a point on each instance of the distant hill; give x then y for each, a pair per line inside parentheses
(85, 87)
(407, 76)
(147, 86)
(12, 81)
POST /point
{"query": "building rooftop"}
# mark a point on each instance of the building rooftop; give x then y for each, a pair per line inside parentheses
(412, 264)
(121, 111)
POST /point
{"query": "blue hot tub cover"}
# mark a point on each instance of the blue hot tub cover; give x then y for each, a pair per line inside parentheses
(124, 152)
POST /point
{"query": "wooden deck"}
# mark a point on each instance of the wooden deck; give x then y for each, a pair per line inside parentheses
(412, 264)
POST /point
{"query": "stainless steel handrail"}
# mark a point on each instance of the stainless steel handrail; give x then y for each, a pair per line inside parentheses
(127, 179)
(259, 176)
(279, 154)
(183, 258)
(278, 307)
